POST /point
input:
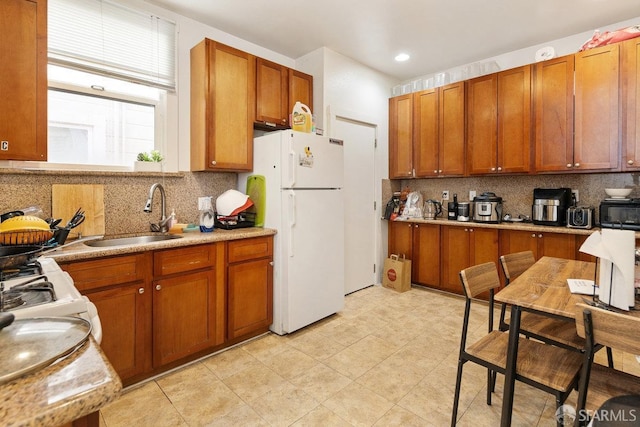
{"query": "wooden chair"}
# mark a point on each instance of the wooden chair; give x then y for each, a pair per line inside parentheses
(544, 328)
(559, 332)
(600, 383)
(546, 367)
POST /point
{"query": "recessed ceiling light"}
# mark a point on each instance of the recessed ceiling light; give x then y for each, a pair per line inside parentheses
(401, 57)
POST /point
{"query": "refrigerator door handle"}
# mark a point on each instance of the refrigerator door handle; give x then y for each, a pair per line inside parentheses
(292, 221)
(292, 166)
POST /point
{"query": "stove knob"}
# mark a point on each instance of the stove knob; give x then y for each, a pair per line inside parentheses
(141, 291)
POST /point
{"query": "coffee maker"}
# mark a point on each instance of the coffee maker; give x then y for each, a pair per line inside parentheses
(550, 206)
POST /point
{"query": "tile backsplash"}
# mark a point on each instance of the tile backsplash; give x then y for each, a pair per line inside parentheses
(125, 194)
(517, 191)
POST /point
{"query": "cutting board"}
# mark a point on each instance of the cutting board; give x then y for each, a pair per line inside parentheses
(257, 192)
(67, 198)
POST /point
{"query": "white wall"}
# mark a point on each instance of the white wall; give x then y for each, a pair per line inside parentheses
(563, 46)
(346, 88)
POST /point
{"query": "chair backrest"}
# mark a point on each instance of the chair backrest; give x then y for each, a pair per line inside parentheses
(515, 264)
(611, 329)
(479, 278)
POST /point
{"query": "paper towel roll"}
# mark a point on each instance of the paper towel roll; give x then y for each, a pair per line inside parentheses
(615, 250)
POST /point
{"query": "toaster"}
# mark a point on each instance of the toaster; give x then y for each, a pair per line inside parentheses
(580, 217)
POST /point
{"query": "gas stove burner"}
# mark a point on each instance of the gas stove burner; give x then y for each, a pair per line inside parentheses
(35, 291)
(26, 270)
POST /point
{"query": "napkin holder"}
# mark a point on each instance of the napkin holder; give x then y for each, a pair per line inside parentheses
(615, 267)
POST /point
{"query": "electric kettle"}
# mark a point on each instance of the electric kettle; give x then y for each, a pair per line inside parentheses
(432, 209)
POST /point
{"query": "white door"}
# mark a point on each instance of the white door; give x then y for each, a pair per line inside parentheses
(359, 196)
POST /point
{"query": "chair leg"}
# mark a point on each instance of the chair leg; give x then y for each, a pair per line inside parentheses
(456, 397)
(489, 383)
(610, 357)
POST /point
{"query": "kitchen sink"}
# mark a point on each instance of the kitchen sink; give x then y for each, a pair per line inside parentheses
(137, 240)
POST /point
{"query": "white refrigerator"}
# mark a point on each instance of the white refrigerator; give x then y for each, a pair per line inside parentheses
(304, 175)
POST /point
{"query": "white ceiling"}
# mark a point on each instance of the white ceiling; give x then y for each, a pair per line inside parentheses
(438, 35)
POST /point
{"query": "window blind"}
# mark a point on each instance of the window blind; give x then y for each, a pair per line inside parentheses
(105, 38)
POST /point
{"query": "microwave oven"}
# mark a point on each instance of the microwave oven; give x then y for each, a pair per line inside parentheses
(620, 213)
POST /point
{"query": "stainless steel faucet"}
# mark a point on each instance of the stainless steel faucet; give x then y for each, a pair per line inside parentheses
(162, 225)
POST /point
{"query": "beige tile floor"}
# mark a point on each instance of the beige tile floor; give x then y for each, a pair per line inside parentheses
(388, 359)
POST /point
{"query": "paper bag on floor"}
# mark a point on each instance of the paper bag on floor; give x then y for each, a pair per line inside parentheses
(615, 250)
(397, 273)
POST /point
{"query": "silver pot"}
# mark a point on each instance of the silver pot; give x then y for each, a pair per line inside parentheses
(487, 207)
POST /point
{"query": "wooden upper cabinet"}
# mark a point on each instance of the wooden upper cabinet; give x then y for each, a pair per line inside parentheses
(499, 122)
(630, 75)
(482, 126)
(278, 88)
(597, 121)
(23, 80)
(514, 120)
(452, 129)
(438, 131)
(300, 89)
(272, 93)
(553, 114)
(223, 90)
(401, 136)
(426, 131)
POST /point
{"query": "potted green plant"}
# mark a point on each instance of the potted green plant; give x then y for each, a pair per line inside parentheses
(148, 162)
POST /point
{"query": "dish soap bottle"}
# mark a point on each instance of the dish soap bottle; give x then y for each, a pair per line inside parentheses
(207, 216)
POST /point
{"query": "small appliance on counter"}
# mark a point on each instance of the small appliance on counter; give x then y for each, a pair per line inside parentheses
(432, 208)
(464, 211)
(550, 206)
(452, 209)
(620, 213)
(487, 207)
(580, 217)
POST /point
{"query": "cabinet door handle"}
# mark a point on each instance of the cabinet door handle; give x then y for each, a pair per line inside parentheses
(577, 165)
(271, 263)
(499, 168)
(158, 287)
(629, 162)
(141, 291)
(466, 229)
(435, 171)
(471, 230)
(439, 170)
(213, 162)
(539, 236)
(493, 169)
(533, 235)
(569, 165)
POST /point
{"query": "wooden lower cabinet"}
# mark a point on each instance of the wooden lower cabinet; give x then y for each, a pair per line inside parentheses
(184, 319)
(250, 286)
(120, 288)
(558, 245)
(159, 308)
(462, 247)
(420, 243)
(400, 241)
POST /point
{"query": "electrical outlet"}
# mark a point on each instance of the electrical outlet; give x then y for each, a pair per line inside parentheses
(472, 194)
(445, 194)
(576, 195)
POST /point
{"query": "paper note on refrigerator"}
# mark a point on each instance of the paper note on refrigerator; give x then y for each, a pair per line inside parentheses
(615, 250)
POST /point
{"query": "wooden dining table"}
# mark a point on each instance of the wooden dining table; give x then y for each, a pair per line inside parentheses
(542, 289)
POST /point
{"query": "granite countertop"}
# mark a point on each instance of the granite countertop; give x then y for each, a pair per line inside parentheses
(80, 251)
(71, 388)
(522, 226)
